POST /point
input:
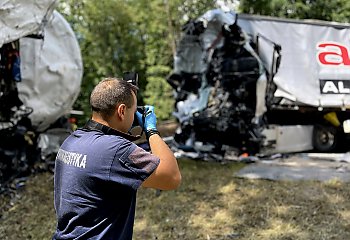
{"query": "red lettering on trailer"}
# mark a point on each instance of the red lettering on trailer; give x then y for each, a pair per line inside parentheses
(331, 53)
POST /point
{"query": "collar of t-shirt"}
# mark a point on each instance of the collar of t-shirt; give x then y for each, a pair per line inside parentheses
(92, 125)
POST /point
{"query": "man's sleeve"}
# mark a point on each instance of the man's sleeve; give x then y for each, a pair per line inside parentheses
(133, 165)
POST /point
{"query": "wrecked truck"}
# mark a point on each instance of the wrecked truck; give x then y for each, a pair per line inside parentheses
(40, 77)
(261, 85)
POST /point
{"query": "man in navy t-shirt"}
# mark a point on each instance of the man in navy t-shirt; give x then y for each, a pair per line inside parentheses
(99, 169)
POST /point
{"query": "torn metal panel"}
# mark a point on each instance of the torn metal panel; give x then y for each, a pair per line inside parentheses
(52, 71)
(287, 139)
(297, 167)
(19, 18)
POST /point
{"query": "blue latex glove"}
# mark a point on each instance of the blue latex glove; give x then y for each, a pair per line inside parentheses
(150, 119)
(138, 116)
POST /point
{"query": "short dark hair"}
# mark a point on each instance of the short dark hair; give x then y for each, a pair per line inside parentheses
(110, 92)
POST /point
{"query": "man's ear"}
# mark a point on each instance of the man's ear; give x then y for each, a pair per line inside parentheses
(121, 108)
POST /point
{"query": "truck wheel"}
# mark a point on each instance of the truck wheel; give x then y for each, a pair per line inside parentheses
(324, 138)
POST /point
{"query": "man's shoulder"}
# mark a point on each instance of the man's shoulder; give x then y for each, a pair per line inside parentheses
(97, 136)
(95, 141)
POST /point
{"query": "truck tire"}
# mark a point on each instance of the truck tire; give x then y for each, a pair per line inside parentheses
(325, 138)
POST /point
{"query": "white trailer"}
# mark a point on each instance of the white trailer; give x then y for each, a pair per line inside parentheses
(311, 84)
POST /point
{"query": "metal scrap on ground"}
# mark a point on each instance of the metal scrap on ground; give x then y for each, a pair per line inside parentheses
(303, 166)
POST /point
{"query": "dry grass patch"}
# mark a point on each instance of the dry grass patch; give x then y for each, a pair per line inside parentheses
(210, 204)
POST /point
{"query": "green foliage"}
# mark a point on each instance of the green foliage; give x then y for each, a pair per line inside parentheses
(152, 22)
(109, 39)
(157, 28)
(130, 35)
(335, 10)
(158, 91)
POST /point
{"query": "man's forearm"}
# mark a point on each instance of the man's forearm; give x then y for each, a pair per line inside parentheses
(167, 172)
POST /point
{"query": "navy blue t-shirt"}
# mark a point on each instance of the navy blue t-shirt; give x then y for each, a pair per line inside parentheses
(96, 179)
